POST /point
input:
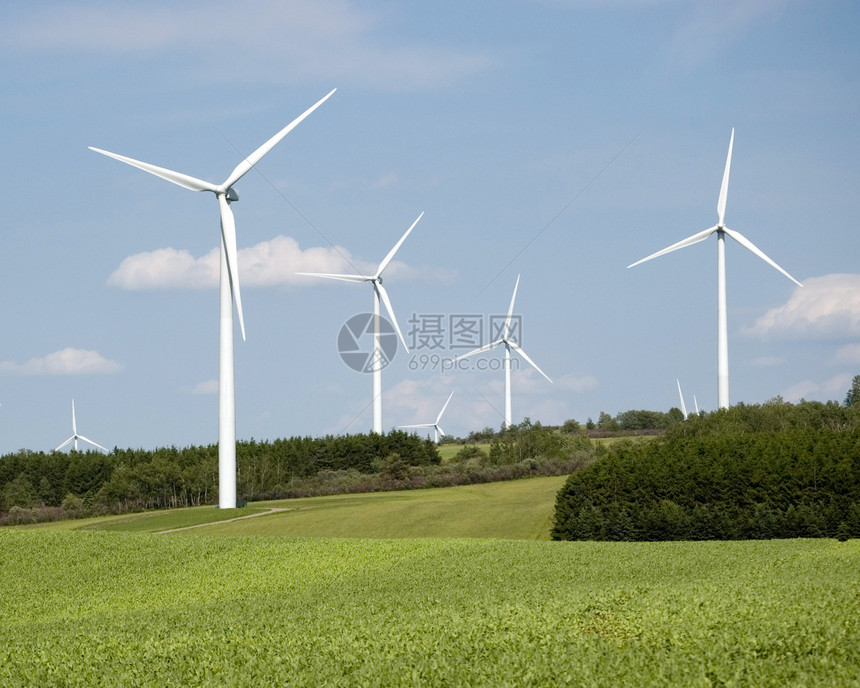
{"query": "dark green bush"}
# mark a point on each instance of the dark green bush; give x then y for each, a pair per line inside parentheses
(772, 471)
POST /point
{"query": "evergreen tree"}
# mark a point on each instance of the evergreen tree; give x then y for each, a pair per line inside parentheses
(853, 396)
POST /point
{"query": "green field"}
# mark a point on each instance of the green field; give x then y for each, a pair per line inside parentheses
(519, 509)
(93, 608)
(443, 587)
(449, 451)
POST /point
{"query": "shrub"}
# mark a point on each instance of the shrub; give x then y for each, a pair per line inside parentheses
(724, 483)
(469, 451)
(72, 504)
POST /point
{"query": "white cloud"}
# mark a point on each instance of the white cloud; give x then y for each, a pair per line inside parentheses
(67, 361)
(827, 306)
(268, 264)
(167, 268)
(832, 388)
(276, 41)
(207, 387)
(847, 355)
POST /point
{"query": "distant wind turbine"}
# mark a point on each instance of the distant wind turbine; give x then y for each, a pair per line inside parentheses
(75, 436)
(437, 430)
(229, 290)
(379, 293)
(509, 344)
(681, 394)
(721, 231)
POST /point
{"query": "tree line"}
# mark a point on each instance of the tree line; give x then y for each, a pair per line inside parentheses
(135, 479)
(772, 470)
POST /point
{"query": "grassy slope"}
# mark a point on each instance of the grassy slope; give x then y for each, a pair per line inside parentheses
(519, 509)
(126, 609)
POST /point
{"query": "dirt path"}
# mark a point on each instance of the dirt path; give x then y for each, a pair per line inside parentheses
(272, 510)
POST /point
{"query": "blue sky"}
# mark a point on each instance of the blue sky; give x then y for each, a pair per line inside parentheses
(556, 140)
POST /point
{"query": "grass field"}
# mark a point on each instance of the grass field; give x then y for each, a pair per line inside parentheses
(517, 509)
(448, 451)
(92, 608)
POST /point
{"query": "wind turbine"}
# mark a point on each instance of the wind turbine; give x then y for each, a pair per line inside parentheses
(721, 231)
(75, 436)
(681, 394)
(229, 290)
(437, 430)
(509, 344)
(379, 293)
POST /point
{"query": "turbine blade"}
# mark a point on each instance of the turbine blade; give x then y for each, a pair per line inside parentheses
(724, 189)
(689, 241)
(65, 443)
(384, 295)
(387, 259)
(418, 425)
(183, 180)
(440, 430)
(228, 236)
(344, 278)
(480, 350)
(696, 404)
(750, 246)
(681, 394)
(243, 167)
(507, 329)
(95, 444)
(522, 353)
(74, 424)
(439, 417)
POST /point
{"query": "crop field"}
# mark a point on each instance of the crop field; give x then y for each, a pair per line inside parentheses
(94, 608)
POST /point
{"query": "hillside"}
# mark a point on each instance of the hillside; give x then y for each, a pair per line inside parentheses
(518, 509)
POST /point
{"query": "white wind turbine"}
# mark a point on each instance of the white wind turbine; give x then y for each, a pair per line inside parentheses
(229, 290)
(75, 436)
(437, 430)
(683, 405)
(721, 231)
(379, 293)
(509, 344)
(681, 394)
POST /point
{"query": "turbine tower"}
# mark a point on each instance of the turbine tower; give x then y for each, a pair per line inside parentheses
(437, 430)
(75, 436)
(721, 231)
(509, 344)
(229, 290)
(379, 293)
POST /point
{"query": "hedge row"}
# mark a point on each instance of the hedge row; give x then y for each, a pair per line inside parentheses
(797, 482)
